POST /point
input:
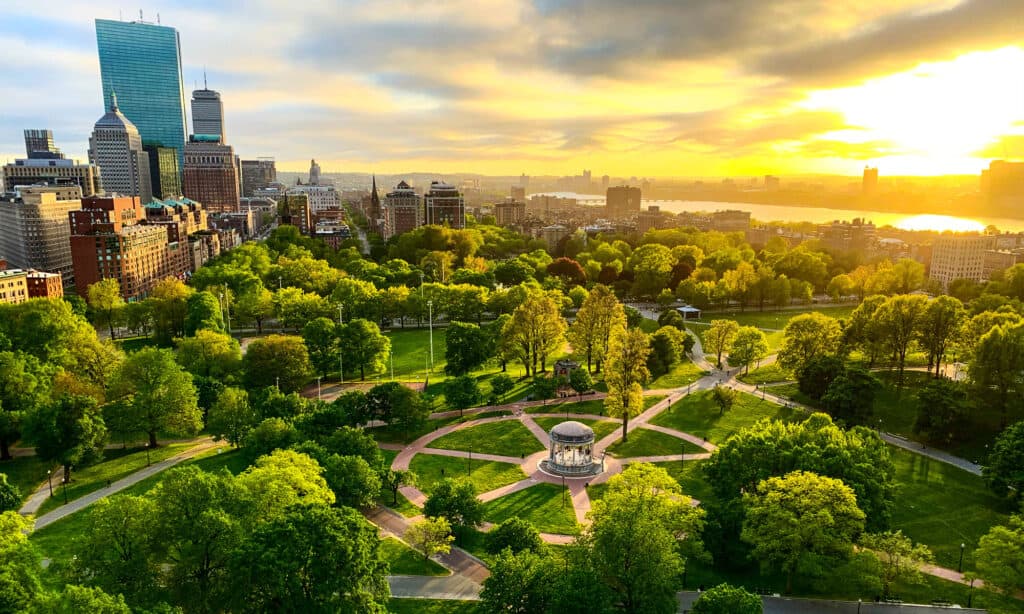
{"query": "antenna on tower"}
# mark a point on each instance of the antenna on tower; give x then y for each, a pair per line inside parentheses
(204, 79)
(158, 18)
(140, 14)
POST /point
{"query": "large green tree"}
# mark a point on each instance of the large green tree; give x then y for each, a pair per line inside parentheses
(467, 347)
(203, 312)
(462, 392)
(640, 532)
(801, 522)
(520, 583)
(209, 354)
(1000, 555)
(280, 360)
(22, 388)
(321, 338)
(625, 374)
(718, 338)
(19, 574)
(159, 393)
(899, 559)
(591, 330)
(364, 345)
(899, 320)
(10, 496)
(726, 599)
(232, 417)
(940, 325)
(942, 411)
(749, 345)
(807, 336)
(455, 500)
(106, 303)
(851, 396)
(69, 431)
(535, 331)
(1004, 469)
(997, 369)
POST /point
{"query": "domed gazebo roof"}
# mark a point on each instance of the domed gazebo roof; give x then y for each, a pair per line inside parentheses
(572, 432)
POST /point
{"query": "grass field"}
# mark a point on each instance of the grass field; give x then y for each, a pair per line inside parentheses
(405, 561)
(645, 442)
(771, 322)
(602, 428)
(26, 473)
(591, 406)
(698, 415)
(507, 438)
(943, 506)
(434, 606)
(120, 463)
(541, 505)
(484, 475)
(682, 373)
(767, 375)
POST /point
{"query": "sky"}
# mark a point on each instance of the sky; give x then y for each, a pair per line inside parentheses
(655, 88)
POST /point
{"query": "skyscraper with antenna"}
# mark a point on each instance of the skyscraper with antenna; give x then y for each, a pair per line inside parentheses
(208, 112)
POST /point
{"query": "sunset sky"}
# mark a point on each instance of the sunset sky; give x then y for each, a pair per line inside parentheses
(655, 88)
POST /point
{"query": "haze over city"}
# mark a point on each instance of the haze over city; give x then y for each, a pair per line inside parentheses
(501, 87)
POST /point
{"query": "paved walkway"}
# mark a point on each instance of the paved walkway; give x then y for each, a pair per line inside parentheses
(125, 482)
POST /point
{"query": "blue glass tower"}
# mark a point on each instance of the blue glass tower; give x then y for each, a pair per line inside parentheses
(141, 62)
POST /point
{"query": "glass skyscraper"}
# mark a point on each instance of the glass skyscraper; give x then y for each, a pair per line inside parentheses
(141, 62)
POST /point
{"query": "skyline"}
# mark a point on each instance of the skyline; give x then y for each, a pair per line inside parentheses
(502, 87)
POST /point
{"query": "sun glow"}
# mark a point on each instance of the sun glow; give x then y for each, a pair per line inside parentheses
(936, 116)
(940, 223)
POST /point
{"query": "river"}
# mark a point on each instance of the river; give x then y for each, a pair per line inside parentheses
(820, 215)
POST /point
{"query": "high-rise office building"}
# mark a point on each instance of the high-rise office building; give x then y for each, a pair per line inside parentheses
(115, 146)
(959, 256)
(208, 113)
(869, 182)
(518, 193)
(509, 212)
(258, 173)
(444, 205)
(141, 62)
(39, 145)
(622, 201)
(164, 172)
(211, 176)
(402, 210)
(63, 173)
(35, 228)
(314, 173)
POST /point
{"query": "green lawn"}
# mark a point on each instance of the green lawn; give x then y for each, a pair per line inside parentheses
(698, 415)
(484, 475)
(433, 606)
(507, 438)
(645, 442)
(393, 434)
(592, 406)
(767, 375)
(404, 561)
(943, 506)
(775, 320)
(134, 344)
(541, 505)
(682, 373)
(26, 473)
(404, 506)
(121, 463)
(602, 428)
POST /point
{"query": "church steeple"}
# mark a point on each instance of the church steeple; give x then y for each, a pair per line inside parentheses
(374, 198)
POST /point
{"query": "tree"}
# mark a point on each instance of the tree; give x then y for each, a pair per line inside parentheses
(515, 534)
(255, 305)
(997, 369)
(1000, 555)
(800, 521)
(74, 598)
(430, 536)
(625, 373)
(818, 373)
(231, 417)
(568, 270)
(269, 435)
(321, 339)
(718, 338)
(942, 411)
(394, 479)
(170, 306)
(118, 551)
(900, 559)
(724, 397)
(354, 482)
(398, 406)
(364, 345)
(19, 575)
(535, 331)
(671, 317)
(941, 322)
(899, 319)
(807, 336)
(106, 302)
(520, 583)
(10, 496)
(748, 346)
(159, 392)
(203, 312)
(22, 386)
(652, 267)
(502, 384)
(851, 396)
(209, 354)
(313, 559)
(462, 392)
(580, 381)
(666, 347)
(467, 347)
(1004, 470)
(727, 599)
(455, 500)
(281, 480)
(68, 431)
(639, 533)
(590, 331)
(280, 360)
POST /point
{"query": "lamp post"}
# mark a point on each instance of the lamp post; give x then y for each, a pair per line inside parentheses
(430, 316)
(341, 354)
(859, 602)
(682, 454)
(469, 465)
(970, 594)
(960, 565)
(147, 454)
(64, 482)
(563, 491)
(49, 474)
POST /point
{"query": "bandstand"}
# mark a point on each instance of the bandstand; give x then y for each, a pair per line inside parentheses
(571, 451)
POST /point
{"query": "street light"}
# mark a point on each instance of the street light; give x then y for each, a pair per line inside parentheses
(147, 454)
(49, 473)
(430, 315)
(960, 565)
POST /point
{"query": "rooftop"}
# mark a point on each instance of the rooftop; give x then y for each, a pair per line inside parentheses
(572, 431)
